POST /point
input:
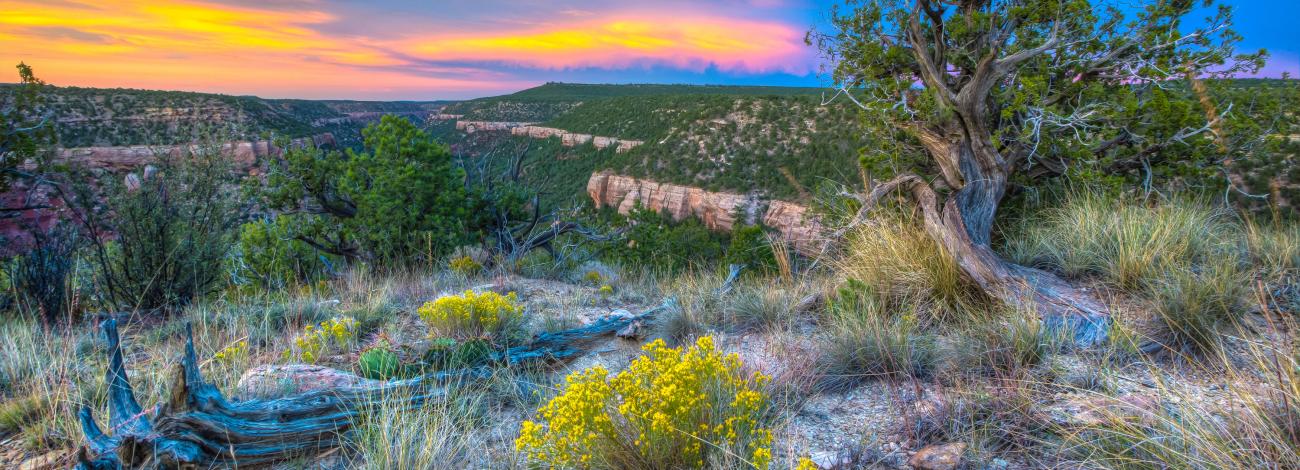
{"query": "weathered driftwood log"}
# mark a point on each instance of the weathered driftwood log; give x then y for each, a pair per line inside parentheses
(197, 427)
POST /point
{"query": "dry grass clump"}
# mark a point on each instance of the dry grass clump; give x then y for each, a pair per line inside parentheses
(864, 339)
(1193, 307)
(1259, 427)
(1274, 246)
(1187, 260)
(904, 267)
(1005, 345)
(434, 435)
(1124, 241)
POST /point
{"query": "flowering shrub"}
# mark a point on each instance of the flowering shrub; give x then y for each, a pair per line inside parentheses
(606, 291)
(232, 353)
(315, 341)
(806, 463)
(593, 277)
(471, 315)
(669, 409)
(465, 265)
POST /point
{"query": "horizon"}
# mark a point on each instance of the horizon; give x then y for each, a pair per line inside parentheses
(404, 50)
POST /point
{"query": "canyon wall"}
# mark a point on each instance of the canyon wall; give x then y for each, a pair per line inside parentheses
(527, 129)
(470, 127)
(113, 162)
(717, 210)
(570, 139)
(117, 159)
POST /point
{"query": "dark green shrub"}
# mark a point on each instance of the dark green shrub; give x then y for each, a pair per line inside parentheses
(41, 278)
(379, 363)
(750, 247)
(400, 200)
(653, 240)
(159, 238)
(448, 354)
(271, 258)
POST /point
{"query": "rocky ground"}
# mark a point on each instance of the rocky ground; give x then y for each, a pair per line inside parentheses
(878, 424)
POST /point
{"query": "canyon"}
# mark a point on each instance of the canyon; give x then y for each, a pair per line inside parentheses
(717, 210)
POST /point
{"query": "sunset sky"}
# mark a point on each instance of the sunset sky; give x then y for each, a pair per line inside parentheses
(427, 49)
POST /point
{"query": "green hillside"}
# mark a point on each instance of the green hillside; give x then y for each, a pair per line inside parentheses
(551, 100)
(119, 116)
(781, 141)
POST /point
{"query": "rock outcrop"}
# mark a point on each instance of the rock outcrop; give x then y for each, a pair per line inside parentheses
(117, 159)
(717, 210)
(470, 127)
(570, 139)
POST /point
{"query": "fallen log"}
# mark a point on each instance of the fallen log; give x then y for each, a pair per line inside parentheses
(198, 427)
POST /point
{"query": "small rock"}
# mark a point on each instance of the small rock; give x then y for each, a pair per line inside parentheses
(631, 331)
(271, 380)
(47, 461)
(830, 460)
(938, 457)
(620, 313)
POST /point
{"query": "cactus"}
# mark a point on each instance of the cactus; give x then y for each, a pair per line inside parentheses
(379, 363)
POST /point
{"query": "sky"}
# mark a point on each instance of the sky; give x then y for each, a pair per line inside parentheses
(440, 49)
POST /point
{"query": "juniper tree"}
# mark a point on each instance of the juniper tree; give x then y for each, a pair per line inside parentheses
(973, 95)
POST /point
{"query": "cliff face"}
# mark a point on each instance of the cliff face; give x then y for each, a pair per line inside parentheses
(118, 159)
(527, 129)
(112, 162)
(570, 139)
(717, 210)
(470, 127)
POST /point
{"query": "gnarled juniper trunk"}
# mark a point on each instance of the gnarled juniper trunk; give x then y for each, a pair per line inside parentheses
(198, 427)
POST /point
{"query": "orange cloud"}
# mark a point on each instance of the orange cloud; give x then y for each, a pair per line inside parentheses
(692, 43)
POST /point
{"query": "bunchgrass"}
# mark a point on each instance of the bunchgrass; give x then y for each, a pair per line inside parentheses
(436, 434)
(904, 267)
(1193, 307)
(1125, 242)
(865, 340)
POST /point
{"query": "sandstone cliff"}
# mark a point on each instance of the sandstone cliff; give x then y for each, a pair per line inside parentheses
(570, 139)
(116, 159)
(527, 129)
(471, 127)
(717, 210)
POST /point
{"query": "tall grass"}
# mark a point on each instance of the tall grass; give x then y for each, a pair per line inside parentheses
(1188, 261)
(1274, 246)
(444, 433)
(1124, 242)
(903, 266)
(866, 339)
(1259, 427)
(1192, 306)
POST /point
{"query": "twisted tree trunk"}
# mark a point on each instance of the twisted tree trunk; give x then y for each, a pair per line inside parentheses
(1064, 308)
